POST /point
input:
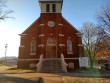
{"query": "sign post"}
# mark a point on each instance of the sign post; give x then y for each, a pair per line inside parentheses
(83, 61)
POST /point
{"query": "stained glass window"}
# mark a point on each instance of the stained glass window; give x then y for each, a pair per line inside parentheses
(33, 46)
(69, 46)
(51, 41)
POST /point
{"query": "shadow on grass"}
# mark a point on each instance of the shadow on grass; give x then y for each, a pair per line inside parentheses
(89, 73)
(13, 68)
(6, 79)
(40, 80)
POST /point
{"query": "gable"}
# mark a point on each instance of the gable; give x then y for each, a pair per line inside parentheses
(33, 25)
(68, 26)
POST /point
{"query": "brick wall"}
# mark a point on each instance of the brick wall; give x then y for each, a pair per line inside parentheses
(33, 32)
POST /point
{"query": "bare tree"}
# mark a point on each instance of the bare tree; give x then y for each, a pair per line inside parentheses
(103, 17)
(89, 31)
(103, 44)
(4, 12)
(104, 48)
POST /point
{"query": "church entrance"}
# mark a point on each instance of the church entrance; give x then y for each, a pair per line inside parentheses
(51, 48)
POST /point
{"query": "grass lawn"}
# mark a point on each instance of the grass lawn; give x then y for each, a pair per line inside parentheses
(10, 74)
(8, 70)
(12, 69)
(85, 80)
(88, 76)
(6, 79)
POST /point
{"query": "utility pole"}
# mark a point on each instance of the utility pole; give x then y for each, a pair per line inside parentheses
(6, 45)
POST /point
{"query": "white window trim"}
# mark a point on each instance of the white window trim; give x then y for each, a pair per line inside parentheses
(41, 25)
(61, 35)
(22, 34)
(32, 53)
(41, 45)
(79, 34)
(61, 45)
(60, 24)
(22, 46)
(41, 35)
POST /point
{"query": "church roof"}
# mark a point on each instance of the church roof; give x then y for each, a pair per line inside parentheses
(49, 0)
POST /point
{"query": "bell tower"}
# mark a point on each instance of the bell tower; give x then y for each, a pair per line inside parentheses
(50, 27)
(50, 6)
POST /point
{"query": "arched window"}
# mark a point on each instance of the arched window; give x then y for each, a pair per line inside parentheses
(51, 41)
(33, 47)
(69, 47)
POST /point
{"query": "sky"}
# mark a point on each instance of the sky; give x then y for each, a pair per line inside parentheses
(27, 11)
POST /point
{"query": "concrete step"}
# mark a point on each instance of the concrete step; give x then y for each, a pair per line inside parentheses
(52, 65)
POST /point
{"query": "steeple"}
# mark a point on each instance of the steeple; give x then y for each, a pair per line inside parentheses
(51, 6)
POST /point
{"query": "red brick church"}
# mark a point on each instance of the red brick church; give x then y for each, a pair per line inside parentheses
(50, 43)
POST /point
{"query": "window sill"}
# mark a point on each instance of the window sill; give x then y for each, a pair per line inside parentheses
(33, 54)
(70, 53)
